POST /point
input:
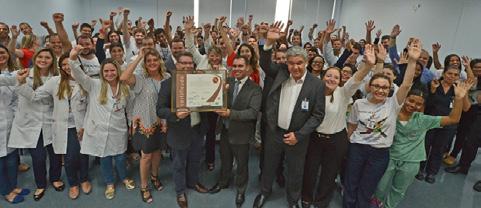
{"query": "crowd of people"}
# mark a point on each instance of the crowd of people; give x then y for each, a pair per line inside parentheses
(367, 116)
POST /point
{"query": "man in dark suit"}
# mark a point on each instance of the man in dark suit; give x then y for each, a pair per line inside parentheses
(294, 108)
(238, 124)
(185, 132)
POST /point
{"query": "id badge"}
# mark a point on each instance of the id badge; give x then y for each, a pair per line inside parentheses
(305, 105)
(451, 105)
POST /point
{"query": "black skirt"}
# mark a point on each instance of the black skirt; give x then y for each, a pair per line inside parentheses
(149, 144)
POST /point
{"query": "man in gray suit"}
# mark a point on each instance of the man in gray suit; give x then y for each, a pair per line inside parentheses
(185, 134)
(238, 124)
(294, 108)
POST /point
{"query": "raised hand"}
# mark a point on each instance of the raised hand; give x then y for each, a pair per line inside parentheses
(188, 24)
(414, 49)
(378, 33)
(75, 25)
(75, 51)
(126, 12)
(436, 46)
(22, 75)
(207, 27)
(466, 61)
(274, 31)
(289, 22)
(381, 53)
(168, 14)
(93, 23)
(330, 25)
(462, 88)
(370, 26)
(58, 17)
(14, 31)
(113, 14)
(369, 55)
(314, 26)
(396, 30)
(44, 24)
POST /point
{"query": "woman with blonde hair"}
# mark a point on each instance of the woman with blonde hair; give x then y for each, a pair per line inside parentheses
(69, 106)
(32, 125)
(146, 126)
(105, 122)
(30, 43)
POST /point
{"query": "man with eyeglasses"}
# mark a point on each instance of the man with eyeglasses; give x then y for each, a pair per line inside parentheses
(184, 135)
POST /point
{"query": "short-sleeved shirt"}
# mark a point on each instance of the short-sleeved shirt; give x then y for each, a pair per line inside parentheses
(26, 60)
(376, 123)
(408, 144)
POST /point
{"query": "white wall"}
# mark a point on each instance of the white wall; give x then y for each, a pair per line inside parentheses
(308, 12)
(455, 24)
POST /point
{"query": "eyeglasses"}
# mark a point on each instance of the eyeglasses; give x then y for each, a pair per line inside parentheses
(379, 87)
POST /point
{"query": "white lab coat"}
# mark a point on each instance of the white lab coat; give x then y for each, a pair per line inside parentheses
(60, 126)
(106, 130)
(30, 119)
(8, 104)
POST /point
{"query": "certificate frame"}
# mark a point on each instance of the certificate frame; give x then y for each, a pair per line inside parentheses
(199, 90)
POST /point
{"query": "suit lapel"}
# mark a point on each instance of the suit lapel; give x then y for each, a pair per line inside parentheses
(242, 91)
(282, 76)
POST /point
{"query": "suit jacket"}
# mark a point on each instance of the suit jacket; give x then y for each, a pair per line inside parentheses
(179, 131)
(243, 112)
(170, 65)
(303, 122)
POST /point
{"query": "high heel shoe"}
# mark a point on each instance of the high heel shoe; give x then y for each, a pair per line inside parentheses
(58, 188)
(146, 195)
(156, 183)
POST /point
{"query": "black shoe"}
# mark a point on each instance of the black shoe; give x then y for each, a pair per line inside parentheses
(39, 196)
(420, 176)
(477, 186)
(281, 180)
(430, 179)
(200, 188)
(457, 169)
(59, 188)
(259, 201)
(216, 189)
(239, 199)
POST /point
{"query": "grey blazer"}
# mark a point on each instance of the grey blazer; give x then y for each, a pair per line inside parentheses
(243, 112)
(303, 122)
(179, 131)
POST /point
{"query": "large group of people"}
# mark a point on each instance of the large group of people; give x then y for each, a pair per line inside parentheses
(325, 114)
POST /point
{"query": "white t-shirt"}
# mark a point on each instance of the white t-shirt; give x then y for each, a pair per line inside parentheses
(130, 48)
(376, 123)
(90, 66)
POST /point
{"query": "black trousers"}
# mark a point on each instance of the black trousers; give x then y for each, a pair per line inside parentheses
(210, 138)
(467, 118)
(295, 156)
(229, 152)
(280, 165)
(471, 145)
(435, 144)
(327, 153)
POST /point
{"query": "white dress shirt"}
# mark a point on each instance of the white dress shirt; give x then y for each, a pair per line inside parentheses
(289, 93)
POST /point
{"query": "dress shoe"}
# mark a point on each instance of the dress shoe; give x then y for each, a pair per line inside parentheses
(239, 199)
(182, 201)
(216, 189)
(457, 169)
(86, 187)
(22, 167)
(430, 179)
(281, 180)
(259, 201)
(200, 188)
(420, 176)
(38, 195)
(59, 188)
(449, 160)
(477, 186)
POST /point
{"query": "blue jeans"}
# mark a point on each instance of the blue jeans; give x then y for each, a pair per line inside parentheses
(365, 167)
(39, 162)
(8, 173)
(107, 168)
(186, 165)
(76, 164)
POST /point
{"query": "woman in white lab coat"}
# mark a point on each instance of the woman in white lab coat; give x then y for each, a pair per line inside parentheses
(32, 126)
(8, 156)
(69, 107)
(105, 123)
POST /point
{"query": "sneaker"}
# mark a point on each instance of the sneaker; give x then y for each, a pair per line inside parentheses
(449, 160)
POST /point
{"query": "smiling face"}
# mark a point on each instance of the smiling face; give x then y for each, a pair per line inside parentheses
(43, 60)
(296, 66)
(109, 72)
(477, 70)
(413, 103)
(25, 29)
(296, 40)
(281, 57)
(332, 78)
(451, 75)
(55, 44)
(240, 69)
(114, 37)
(4, 30)
(244, 51)
(4, 56)
(117, 53)
(346, 74)
(65, 67)
(454, 60)
(379, 88)
(317, 64)
(424, 58)
(185, 63)
(389, 73)
(152, 64)
(87, 45)
(214, 58)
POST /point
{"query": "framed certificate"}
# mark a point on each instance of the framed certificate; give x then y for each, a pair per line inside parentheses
(199, 90)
